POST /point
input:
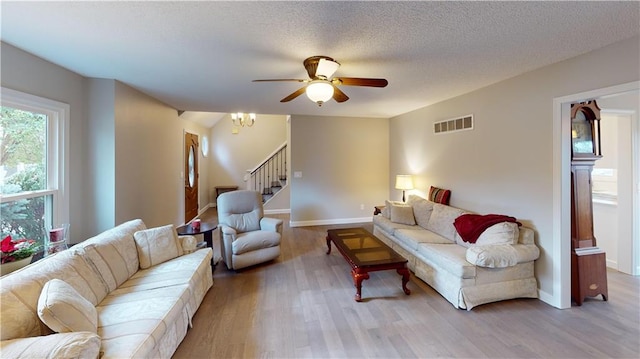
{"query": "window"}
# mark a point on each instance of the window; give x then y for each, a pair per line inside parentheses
(33, 165)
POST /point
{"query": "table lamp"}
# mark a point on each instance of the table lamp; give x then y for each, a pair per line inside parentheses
(404, 182)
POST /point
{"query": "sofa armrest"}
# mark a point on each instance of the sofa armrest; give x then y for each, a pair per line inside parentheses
(64, 345)
(271, 224)
(526, 235)
(189, 243)
(501, 255)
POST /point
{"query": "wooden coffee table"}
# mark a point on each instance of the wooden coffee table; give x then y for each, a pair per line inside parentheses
(365, 253)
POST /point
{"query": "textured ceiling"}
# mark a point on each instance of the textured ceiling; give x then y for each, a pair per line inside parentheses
(202, 56)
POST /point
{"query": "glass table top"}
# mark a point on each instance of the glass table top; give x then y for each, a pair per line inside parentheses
(362, 247)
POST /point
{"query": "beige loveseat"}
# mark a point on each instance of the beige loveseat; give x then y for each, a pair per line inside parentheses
(498, 266)
(99, 300)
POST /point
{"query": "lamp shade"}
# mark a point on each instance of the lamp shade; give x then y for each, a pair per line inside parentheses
(326, 68)
(319, 91)
(404, 182)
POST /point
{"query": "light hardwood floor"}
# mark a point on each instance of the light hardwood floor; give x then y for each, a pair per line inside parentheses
(301, 306)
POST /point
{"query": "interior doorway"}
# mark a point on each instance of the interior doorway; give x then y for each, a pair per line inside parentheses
(561, 297)
(612, 184)
(190, 176)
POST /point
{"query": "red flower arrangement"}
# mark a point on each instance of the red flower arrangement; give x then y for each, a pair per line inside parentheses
(20, 249)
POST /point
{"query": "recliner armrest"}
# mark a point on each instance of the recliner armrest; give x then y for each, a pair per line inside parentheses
(271, 224)
(228, 230)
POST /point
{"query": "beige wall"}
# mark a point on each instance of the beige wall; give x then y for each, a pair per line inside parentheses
(149, 159)
(504, 165)
(344, 164)
(231, 155)
(24, 72)
(125, 147)
(100, 170)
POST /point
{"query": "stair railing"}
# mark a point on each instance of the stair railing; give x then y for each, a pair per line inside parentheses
(271, 175)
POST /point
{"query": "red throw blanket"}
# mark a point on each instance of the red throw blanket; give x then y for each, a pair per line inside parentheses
(471, 226)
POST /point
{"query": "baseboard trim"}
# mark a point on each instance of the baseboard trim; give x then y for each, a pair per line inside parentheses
(547, 298)
(277, 211)
(325, 222)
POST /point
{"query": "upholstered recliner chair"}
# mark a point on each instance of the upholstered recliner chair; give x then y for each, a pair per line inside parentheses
(247, 237)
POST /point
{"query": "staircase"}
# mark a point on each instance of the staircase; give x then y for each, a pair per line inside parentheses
(270, 176)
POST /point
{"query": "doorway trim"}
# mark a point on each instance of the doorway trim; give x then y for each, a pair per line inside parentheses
(561, 229)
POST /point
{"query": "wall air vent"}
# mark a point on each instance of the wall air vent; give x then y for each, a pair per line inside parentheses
(453, 125)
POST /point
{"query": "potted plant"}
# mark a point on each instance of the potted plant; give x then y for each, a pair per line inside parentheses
(16, 254)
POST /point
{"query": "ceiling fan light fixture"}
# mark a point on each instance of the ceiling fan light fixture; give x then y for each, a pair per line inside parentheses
(326, 68)
(319, 91)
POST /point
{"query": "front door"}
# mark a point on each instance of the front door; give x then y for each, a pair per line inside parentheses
(191, 176)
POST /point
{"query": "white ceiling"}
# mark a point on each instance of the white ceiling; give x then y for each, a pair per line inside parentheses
(202, 56)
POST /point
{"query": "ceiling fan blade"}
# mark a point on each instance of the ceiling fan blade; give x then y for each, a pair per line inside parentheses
(338, 95)
(270, 80)
(358, 81)
(294, 95)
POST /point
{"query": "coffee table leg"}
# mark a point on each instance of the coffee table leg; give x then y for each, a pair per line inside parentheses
(329, 245)
(358, 277)
(404, 272)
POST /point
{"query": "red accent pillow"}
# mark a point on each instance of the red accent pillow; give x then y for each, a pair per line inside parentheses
(439, 195)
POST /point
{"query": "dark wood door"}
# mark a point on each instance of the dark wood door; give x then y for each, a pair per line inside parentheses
(190, 176)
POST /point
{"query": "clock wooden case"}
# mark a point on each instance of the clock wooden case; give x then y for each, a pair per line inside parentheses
(588, 263)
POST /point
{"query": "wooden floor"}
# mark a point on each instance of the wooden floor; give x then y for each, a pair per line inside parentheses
(301, 306)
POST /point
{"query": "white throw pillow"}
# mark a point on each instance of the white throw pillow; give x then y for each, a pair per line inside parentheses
(499, 233)
(64, 310)
(157, 245)
(403, 214)
(386, 211)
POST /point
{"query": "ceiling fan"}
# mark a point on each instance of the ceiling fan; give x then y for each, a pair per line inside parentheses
(321, 87)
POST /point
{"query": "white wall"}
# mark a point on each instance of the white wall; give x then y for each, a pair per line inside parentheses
(344, 163)
(504, 165)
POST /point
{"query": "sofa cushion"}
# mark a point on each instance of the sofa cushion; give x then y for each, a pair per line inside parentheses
(251, 241)
(390, 227)
(492, 256)
(441, 220)
(422, 209)
(450, 257)
(157, 245)
(113, 253)
(80, 345)
(410, 238)
(402, 213)
(64, 310)
(20, 291)
(131, 324)
(439, 195)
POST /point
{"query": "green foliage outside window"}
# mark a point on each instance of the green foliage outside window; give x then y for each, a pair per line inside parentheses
(22, 169)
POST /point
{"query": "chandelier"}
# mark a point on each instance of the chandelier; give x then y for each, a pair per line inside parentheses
(243, 119)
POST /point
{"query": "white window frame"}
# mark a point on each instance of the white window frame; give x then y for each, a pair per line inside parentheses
(57, 151)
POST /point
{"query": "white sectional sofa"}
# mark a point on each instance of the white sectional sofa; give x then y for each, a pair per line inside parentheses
(95, 300)
(498, 266)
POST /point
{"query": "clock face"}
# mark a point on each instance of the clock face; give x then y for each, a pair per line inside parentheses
(581, 134)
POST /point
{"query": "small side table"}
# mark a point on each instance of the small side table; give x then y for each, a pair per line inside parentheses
(206, 229)
(222, 189)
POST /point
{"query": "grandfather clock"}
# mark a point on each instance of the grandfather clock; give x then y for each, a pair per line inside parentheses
(588, 262)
